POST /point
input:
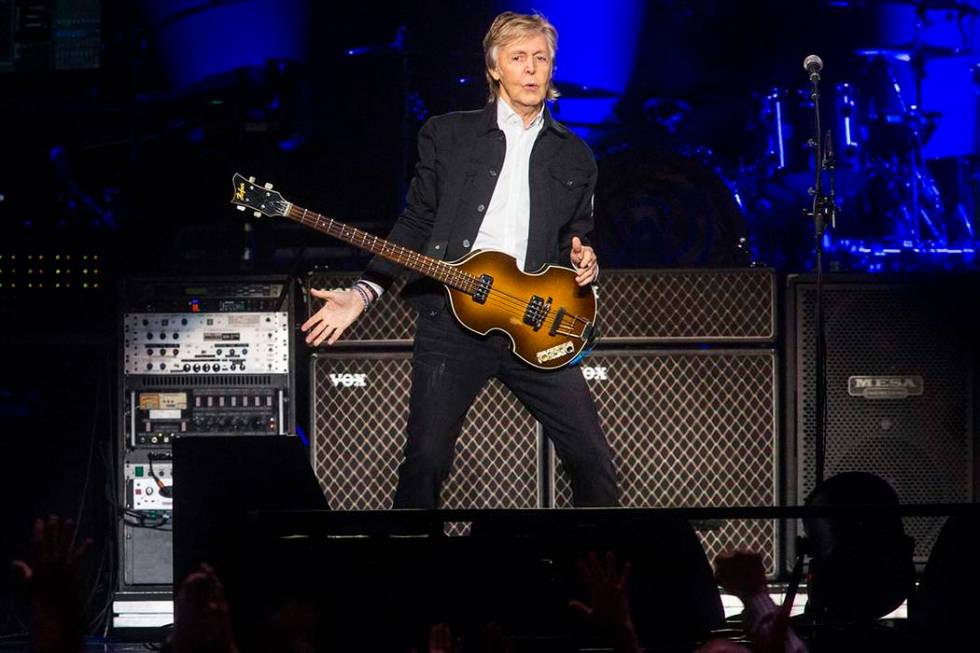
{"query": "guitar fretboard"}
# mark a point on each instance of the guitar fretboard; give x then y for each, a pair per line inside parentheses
(426, 265)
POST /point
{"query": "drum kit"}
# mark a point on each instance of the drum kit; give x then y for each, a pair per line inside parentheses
(891, 206)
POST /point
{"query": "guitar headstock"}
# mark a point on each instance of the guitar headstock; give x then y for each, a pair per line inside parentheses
(261, 199)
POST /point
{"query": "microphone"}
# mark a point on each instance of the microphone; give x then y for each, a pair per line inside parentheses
(813, 65)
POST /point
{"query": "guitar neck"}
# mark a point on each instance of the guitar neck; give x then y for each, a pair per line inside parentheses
(425, 265)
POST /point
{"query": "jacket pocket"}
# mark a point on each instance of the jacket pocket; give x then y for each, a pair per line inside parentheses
(570, 179)
(567, 190)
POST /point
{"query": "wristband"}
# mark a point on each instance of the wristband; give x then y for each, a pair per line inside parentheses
(365, 297)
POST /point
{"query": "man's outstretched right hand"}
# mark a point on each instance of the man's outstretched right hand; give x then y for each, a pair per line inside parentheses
(340, 309)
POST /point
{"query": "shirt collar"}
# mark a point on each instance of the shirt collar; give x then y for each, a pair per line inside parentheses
(507, 115)
(489, 120)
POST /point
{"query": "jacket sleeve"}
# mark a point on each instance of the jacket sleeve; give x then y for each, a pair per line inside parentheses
(414, 225)
(582, 222)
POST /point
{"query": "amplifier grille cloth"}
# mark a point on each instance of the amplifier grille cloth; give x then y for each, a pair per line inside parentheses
(691, 429)
(661, 306)
(359, 434)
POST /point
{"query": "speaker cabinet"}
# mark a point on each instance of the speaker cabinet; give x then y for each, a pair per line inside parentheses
(665, 307)
(899, 384)
(359, 415)
(653, 307)
(691, 429)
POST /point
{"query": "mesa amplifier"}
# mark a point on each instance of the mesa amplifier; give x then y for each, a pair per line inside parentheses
(358, 417)
(691, 429)
(900, 365)
(635, 307)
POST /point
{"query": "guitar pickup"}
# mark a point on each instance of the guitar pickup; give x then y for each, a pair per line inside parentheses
(483, 289)
(537, 310)
(557, 323)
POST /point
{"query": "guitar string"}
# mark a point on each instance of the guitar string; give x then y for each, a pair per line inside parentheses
(511, 302)
(460, 277)
(558, 327)
(573, 317)
(351, 234)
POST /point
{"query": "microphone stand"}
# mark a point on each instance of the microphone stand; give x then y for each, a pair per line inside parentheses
(823, 210)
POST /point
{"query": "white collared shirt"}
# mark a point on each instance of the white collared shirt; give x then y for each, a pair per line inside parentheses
(505, 225)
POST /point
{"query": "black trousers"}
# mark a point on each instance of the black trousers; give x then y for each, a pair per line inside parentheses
(450, 367)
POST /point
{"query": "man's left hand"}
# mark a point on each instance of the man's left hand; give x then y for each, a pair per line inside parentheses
(585, 262)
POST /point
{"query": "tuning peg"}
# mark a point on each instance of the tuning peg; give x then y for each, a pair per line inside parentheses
(257, 214)
(268, 186)
(251, 180)
(240, 207)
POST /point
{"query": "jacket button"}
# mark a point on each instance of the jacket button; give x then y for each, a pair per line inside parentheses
(438, 246)
(493, 172)
(569, 183)
(466, 243)
(481, 208)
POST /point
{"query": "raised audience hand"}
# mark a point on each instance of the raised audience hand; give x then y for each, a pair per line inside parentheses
(495, 640)
(741, 573)
(51, 577)
(722, 646)
(441, 639)
(202, 620)
(610, 609)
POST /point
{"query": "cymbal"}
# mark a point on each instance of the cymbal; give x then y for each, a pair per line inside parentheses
(940, 5)
(909, 51)
(575, 91)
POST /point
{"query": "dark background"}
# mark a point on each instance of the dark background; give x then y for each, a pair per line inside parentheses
(124, 151)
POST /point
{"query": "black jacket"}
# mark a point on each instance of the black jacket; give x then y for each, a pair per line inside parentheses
(460, 156)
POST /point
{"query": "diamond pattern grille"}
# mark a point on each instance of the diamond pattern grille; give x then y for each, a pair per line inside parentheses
(636, 306)
(691, 429)
(359, 434)
(921, 445)
(660, 306)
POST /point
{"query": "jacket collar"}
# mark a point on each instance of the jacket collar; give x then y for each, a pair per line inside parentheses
(488, 120)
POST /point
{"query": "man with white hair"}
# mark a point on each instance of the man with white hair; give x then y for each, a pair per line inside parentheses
(509, 178)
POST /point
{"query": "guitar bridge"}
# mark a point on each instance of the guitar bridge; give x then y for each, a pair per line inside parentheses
(483, 289)
(536, 312)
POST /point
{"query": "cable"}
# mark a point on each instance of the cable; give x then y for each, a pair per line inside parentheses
(91, 448)
(166, 491)
(137, 515)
